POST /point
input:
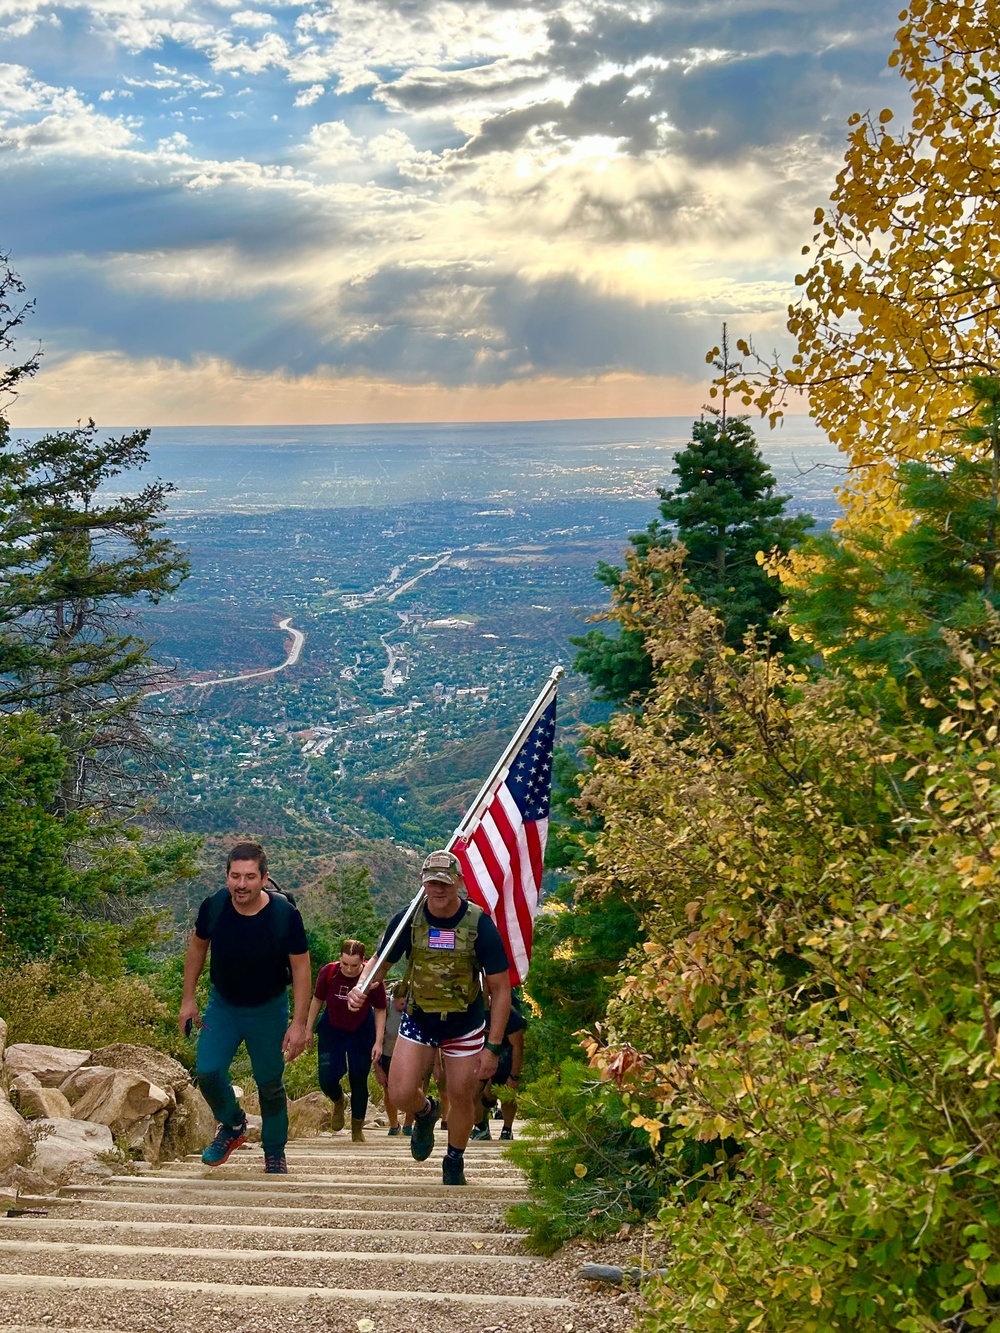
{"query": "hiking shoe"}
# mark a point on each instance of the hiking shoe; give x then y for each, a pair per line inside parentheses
(275, 1164)
(506, 1133)
(227, 1140)
(453, 1171)
(480, 1132)
(393, 1131)
(422, 1138)
(357, 1130)
(337, 1119)
(407, 1131)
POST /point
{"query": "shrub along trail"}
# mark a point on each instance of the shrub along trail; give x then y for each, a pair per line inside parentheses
(356, 1237)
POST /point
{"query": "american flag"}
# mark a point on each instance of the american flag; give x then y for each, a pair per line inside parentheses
(501, 856)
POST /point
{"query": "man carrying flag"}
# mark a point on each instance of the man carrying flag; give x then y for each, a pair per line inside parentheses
(451, 941)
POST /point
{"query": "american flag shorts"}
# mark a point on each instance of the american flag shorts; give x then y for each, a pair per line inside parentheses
(469, 1043)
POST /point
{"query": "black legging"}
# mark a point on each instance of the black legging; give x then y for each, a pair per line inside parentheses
(346, 1052)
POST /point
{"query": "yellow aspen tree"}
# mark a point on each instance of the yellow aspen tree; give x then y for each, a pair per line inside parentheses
(901, 302)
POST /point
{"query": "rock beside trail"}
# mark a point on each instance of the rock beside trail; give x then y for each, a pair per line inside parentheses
(49, 1064)
(15, 1136)
(62, 1147)
(190, 1126)
(121, 1100)
(3, 1036)
(22, 1181)
(34, 1100)
(309, 1115)
(160, 1069)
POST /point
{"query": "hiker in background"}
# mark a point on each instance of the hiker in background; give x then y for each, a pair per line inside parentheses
(449, 942)
(393, 1013)
(350, 1040)
(258, 947)
(508, 1075)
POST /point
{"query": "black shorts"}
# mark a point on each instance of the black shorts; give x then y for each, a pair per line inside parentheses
(503, 1065)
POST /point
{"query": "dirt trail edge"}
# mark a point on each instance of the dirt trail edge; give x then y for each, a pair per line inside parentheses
(357, 1238)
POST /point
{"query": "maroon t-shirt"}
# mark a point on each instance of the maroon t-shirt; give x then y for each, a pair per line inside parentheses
(333, 990)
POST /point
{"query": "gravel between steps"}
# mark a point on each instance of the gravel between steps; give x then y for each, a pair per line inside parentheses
(457, 1201)
(368, 1221)
(516, 1280)
(191, 1236)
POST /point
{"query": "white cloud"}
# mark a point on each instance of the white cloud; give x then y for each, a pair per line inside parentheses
(333, 144)
(308, 96)
(38, 116)
(252, 18)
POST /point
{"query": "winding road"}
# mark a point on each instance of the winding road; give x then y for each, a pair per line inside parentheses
(294, 653)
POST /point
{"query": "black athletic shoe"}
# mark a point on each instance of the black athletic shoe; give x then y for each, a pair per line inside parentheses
(453, 1171)
(275, 1164)
(506, 1134)
(422, 1138)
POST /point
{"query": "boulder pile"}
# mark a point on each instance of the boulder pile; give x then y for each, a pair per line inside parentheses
(66, 1114)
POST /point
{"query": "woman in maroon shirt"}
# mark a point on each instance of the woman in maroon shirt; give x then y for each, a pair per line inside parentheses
(350, 1041)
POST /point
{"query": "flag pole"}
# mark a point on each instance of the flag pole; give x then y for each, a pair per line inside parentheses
(477, 806)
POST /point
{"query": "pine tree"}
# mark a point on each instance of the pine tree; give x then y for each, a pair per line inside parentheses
(725, 511)
(74, 568)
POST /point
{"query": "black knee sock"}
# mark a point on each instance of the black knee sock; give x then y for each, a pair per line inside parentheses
(455, 1154)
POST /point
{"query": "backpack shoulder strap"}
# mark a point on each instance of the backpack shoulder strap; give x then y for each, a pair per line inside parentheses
(286, 907)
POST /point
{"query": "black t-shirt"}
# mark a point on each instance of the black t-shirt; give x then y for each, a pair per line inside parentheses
(490, 955)
(249, 955)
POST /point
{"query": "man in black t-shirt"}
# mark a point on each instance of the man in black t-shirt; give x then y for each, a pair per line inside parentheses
(450, 944)
(258, 945)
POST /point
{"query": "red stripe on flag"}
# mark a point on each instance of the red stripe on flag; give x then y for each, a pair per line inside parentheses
(512, 898)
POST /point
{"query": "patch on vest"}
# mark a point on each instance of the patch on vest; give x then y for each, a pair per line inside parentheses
(440, 939)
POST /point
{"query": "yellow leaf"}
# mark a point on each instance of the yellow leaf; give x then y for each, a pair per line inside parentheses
(580, 1170)
(366, 1325)
(815, 1293)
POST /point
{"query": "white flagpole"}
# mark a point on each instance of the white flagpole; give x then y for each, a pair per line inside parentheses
(478, 805)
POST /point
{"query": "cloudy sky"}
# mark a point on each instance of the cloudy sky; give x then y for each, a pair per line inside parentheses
(383, 210)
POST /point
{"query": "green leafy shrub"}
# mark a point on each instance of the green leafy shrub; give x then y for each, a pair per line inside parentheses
(588, 1170)
(43, 1002)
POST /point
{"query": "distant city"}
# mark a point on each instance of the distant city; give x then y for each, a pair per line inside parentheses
(370, 610)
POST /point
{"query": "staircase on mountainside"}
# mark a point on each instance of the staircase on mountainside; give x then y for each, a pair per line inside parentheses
(356, 1238)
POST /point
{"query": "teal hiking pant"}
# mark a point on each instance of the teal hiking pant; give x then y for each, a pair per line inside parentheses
(261, 1028)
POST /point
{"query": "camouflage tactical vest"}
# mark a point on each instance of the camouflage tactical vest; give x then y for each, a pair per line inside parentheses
(443, 972)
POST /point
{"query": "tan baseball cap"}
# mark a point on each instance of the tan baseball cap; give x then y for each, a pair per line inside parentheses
(441, 866)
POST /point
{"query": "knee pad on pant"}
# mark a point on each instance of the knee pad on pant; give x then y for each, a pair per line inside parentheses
(272, 1097)
(214, 1086)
